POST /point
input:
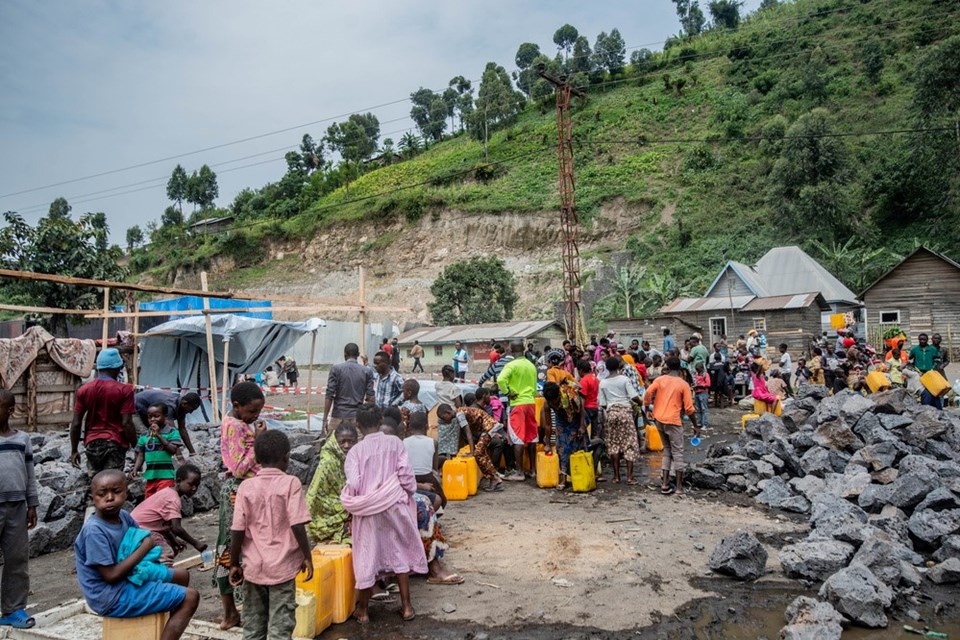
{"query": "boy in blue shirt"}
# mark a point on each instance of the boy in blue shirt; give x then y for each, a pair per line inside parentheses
(103, 579)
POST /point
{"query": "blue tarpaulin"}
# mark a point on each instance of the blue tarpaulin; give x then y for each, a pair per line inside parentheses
(194, 303)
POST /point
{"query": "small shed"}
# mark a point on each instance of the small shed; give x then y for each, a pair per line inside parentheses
(438, 342)
(921, 294)
(43, 373)
(211, 226)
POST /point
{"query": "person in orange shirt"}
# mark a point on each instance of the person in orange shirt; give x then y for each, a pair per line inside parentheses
(556, 372)
(670, 395)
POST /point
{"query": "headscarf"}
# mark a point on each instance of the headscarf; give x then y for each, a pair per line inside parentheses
(330, 520)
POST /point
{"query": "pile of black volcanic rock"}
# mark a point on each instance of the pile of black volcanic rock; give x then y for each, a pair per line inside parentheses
(878, 476)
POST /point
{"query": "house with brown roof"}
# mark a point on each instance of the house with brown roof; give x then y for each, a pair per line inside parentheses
(787, 295)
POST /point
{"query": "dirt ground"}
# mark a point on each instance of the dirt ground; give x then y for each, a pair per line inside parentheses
(618, 562)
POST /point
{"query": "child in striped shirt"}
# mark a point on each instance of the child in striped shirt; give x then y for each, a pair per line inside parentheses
(157, 449)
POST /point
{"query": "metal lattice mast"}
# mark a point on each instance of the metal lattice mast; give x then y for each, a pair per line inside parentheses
(569, 220)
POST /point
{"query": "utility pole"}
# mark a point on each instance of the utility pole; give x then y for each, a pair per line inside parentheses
(569, 220)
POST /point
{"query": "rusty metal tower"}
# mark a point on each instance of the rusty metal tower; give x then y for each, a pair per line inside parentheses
(569, 220)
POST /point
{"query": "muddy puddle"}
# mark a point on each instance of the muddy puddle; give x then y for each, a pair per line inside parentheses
(743, 612)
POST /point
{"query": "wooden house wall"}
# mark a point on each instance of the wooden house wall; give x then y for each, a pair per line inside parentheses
(926, 292)
(796, 327)
(732, 280)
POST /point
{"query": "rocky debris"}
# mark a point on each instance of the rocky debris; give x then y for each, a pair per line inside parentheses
(815, 559)
(949, 549)
(809, 619)
(63, 489)
(740, 556)
(879, 476)
(947, 572)
(776, 493)
(859, 595)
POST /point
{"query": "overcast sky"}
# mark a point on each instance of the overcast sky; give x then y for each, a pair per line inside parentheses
(92, 87)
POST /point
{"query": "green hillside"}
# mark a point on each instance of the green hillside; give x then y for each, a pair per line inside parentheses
(728, 143)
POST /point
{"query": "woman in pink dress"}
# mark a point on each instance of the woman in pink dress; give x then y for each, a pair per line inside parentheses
(379, 495)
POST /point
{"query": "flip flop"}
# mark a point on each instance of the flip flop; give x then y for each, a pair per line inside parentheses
(453, 578)
(668, 491)
(409, 618)
(19, 619)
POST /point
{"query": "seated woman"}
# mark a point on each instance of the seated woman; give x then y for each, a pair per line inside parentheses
(330, 521)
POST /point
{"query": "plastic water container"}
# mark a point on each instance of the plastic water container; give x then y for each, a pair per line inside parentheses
(747, 418)
(206, 558)
(306, 615)
(473, 473)
(695, 441)
(760, 407)
(323, 587)
(344, 591)
(654, 442)
(582, 476)
(877, 381)
(455, 485)
(935, 383)
(548, 470)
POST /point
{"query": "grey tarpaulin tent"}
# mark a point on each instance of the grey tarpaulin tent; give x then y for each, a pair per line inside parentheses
(174, 354)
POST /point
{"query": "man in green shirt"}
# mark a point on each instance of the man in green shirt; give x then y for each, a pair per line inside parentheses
(518, 382)
(924, 356)
(698, 353)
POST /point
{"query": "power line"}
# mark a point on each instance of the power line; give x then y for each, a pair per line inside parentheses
(316, 122)
(161, 181)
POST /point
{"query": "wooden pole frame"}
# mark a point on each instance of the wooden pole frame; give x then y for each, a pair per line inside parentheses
(211, 356)
(363, 310)
(313, 347)
(105, 335)
(136, 343)
(226, 376)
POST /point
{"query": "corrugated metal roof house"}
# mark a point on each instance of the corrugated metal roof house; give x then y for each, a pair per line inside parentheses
(437, 342)
(787, 294)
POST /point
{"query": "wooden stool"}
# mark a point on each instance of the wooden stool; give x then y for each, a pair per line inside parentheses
(142, 628)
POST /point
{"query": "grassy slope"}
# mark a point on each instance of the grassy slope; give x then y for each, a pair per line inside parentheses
(713, 191)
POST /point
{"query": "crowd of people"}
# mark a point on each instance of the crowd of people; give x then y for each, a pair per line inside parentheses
(377, 485)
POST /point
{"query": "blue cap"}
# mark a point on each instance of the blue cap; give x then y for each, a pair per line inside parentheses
(109, 359)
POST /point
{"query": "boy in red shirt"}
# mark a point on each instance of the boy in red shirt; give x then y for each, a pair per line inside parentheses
(701, 395)
(589, 389)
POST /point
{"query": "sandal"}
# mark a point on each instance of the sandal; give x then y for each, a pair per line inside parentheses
(19, 619)
(453, 578)
(669, 490)
(409, 618)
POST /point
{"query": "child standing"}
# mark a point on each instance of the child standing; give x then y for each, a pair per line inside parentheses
(18, 513)
(160, 513)
(411, 400)
(590, 390)
(448, 433)
(157, 448)
(379, 494)
(103, 579)
(701, 395)
(269, 531)
(237, 435)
